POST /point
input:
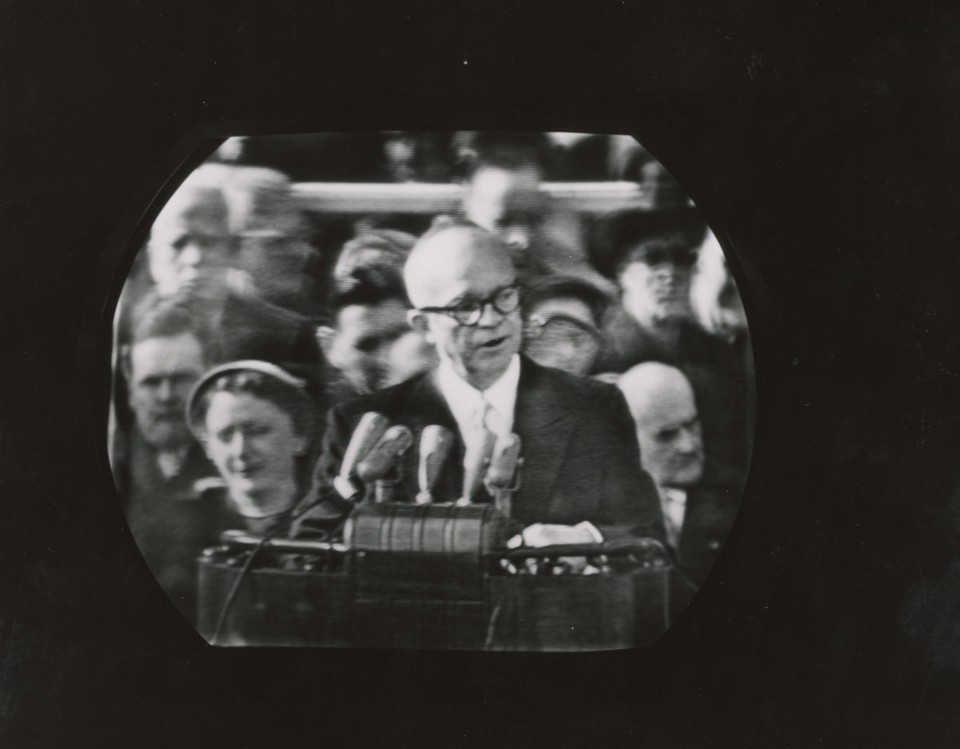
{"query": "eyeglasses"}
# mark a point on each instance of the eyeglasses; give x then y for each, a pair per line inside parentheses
(469, 312)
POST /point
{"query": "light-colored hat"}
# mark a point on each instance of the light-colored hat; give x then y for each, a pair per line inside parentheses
(280, 375)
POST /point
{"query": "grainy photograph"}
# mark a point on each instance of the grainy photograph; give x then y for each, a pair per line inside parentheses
(439, 390)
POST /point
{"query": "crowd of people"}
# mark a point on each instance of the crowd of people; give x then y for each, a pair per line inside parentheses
(252, 335)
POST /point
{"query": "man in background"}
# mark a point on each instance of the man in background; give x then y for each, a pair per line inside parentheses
(699, 498)
(502, 195)
(562, 317)
(652, 257)
(192, 255)
(368, 341)
(161, 481)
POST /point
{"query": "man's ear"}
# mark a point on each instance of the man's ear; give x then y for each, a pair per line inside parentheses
(300, 444)
(418, 321)
(125, 368)
(325, 335)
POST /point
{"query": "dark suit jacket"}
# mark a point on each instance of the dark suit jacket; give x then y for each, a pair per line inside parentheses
(171, 521)
(711, 510)
(578, 443)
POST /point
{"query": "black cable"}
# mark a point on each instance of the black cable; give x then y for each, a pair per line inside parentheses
(491, 627)
(235, 588)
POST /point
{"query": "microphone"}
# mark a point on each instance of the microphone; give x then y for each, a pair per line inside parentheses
(435, 445)
(503, 476)
(378, 462)
(368, 432)
(475, 461)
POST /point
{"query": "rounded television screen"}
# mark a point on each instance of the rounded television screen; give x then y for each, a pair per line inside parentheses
(442, 390)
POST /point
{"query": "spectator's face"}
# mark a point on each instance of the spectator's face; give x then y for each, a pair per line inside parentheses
(162, 372)
(655, 282)
(562, 333)
(671, 446)
(254, 444)
(188, 245)
(364, 345)
(508, 203)
(472, 271)
(409, 355)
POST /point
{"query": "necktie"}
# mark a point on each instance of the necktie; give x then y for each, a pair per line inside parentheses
(480, 425)
(476, 439)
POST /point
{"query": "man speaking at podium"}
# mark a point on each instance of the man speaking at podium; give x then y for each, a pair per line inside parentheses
(581, 480)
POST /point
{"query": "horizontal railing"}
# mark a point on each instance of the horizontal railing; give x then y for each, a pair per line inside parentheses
(421, 198)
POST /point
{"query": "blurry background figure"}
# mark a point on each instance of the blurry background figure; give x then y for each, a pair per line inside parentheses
(502, 194)
(230, 151)
(369, 342)
(659, 186)
(190, 241)
(651, 256)
(312, 157)
(699, 497)
(598, 158)
(157, 479)
(272, 254)
(257, 425)
(192, 256)
(384, 248)
(718, 309)
(714, 297)
(387, 156)
(196, 249)
(418, 156)
(562, 317)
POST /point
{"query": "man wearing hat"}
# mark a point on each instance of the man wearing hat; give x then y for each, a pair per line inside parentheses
(502, 194)
(562, 323)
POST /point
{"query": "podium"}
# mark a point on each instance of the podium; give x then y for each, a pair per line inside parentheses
(435, 577)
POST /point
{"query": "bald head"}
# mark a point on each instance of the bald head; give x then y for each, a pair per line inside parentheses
(189, 237)
(664, 411)
(462, 264)
(450, 252)
(194, 200)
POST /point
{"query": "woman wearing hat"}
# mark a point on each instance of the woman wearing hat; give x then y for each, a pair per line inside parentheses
(256, 423)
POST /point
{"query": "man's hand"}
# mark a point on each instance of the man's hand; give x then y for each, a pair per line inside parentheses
(550, 534)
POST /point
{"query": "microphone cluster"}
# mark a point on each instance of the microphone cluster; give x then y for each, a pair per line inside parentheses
(374, 459)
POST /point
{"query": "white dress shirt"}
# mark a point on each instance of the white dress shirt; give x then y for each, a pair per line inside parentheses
(466, 402)
(496, 404)
(674, 502)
